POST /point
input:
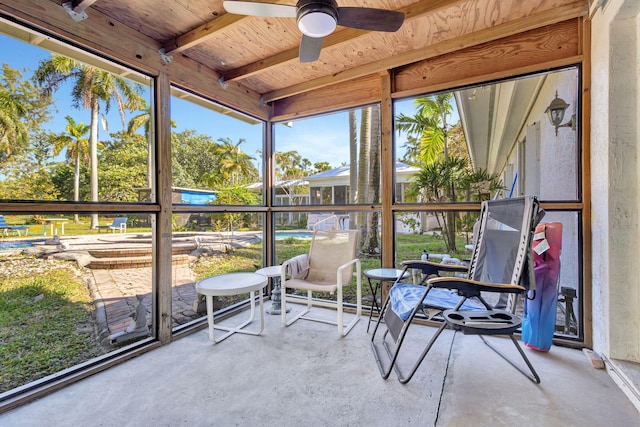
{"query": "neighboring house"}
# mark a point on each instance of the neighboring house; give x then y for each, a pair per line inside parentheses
(289, 192)
(332, 188)
(328, 187)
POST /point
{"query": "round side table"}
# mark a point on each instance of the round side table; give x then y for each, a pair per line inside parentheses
(274, 273)
(233, 284)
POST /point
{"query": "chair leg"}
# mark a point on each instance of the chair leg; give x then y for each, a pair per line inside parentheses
(416, 365)
(533, 376)
(340, 309)
(283, 310)
(393, 355)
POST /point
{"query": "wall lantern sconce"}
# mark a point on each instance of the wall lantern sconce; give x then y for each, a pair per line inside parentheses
(555, 111)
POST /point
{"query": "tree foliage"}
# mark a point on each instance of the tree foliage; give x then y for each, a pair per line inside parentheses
(27, 176)
(452, 180)
(233, 166)
(92, 89)
(123, 167)
(23, 109)
(429, 127)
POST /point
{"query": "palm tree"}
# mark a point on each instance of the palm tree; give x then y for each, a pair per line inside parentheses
(371, 245)
(143, 120)
(13, 130)
(429, 127)
(91, 87)
(77, 146)
(234, 163)
(363, 167)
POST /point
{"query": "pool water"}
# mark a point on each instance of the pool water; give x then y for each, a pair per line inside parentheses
(303, 235)
(16, 244)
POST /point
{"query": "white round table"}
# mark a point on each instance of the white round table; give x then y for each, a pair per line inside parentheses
(274, 273)
(233, 284)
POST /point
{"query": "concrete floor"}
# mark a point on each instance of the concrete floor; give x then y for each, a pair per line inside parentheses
(307, 375)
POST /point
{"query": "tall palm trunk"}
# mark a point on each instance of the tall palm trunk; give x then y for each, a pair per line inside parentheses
(450, 229)
(150, 158)
(93, 153)
(353, 164)
(363, 166)
(371, 245)
(76, 183)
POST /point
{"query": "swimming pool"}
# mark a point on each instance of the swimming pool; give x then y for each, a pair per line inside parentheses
(17, 244)
(302, 235)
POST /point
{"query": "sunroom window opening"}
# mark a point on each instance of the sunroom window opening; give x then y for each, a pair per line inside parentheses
(291, 242)
(568, 319)
(483, 138)
(493, 140)
(216, 153)
(431, 233)
(329, 159)
(206, 244)
(70, 292)
(427, 235)
(52, 145)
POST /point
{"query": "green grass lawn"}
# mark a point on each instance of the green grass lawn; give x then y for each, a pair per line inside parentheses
(46, 321)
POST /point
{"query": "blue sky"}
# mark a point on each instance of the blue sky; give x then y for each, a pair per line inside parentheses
(323, 138)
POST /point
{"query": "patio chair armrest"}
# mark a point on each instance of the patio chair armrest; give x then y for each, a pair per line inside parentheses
(345, 265)
(283, 271)
(430, 268)
(460, 283)
(451, 267)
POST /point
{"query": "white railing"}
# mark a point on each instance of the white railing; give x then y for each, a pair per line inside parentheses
(339, 222)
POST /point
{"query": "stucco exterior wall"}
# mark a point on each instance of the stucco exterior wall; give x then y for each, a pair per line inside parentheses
(547, 164)
(614, 180)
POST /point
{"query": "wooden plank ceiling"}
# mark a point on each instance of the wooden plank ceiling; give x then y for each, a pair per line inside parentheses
(260, 54)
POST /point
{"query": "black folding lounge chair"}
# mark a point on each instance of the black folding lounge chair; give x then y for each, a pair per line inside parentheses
(501, 263)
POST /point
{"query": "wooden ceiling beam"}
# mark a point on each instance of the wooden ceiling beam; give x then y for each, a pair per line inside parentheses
(517, 26)
(199, 34)
(81, 5)
(412, 11)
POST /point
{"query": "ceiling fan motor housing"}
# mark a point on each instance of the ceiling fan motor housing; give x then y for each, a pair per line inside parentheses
(317, 18)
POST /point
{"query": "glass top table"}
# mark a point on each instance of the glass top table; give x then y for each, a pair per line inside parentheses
(380, 275)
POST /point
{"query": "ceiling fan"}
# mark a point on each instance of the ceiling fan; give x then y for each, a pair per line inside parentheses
(319, 18)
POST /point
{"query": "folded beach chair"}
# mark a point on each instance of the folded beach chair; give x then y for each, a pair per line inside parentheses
(501, 263)
(5, 228)
(539, 317)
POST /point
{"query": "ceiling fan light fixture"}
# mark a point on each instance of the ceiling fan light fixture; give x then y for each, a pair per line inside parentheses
(317, 18)
(317, 24)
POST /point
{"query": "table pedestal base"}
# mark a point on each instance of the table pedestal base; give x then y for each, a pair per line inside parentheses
(276, 299)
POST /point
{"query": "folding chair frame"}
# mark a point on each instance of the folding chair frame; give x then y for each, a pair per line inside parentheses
(456, 318)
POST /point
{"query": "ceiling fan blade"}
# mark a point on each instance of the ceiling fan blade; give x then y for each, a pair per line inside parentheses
(364, 18)
(310, 48)
(260, 9)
